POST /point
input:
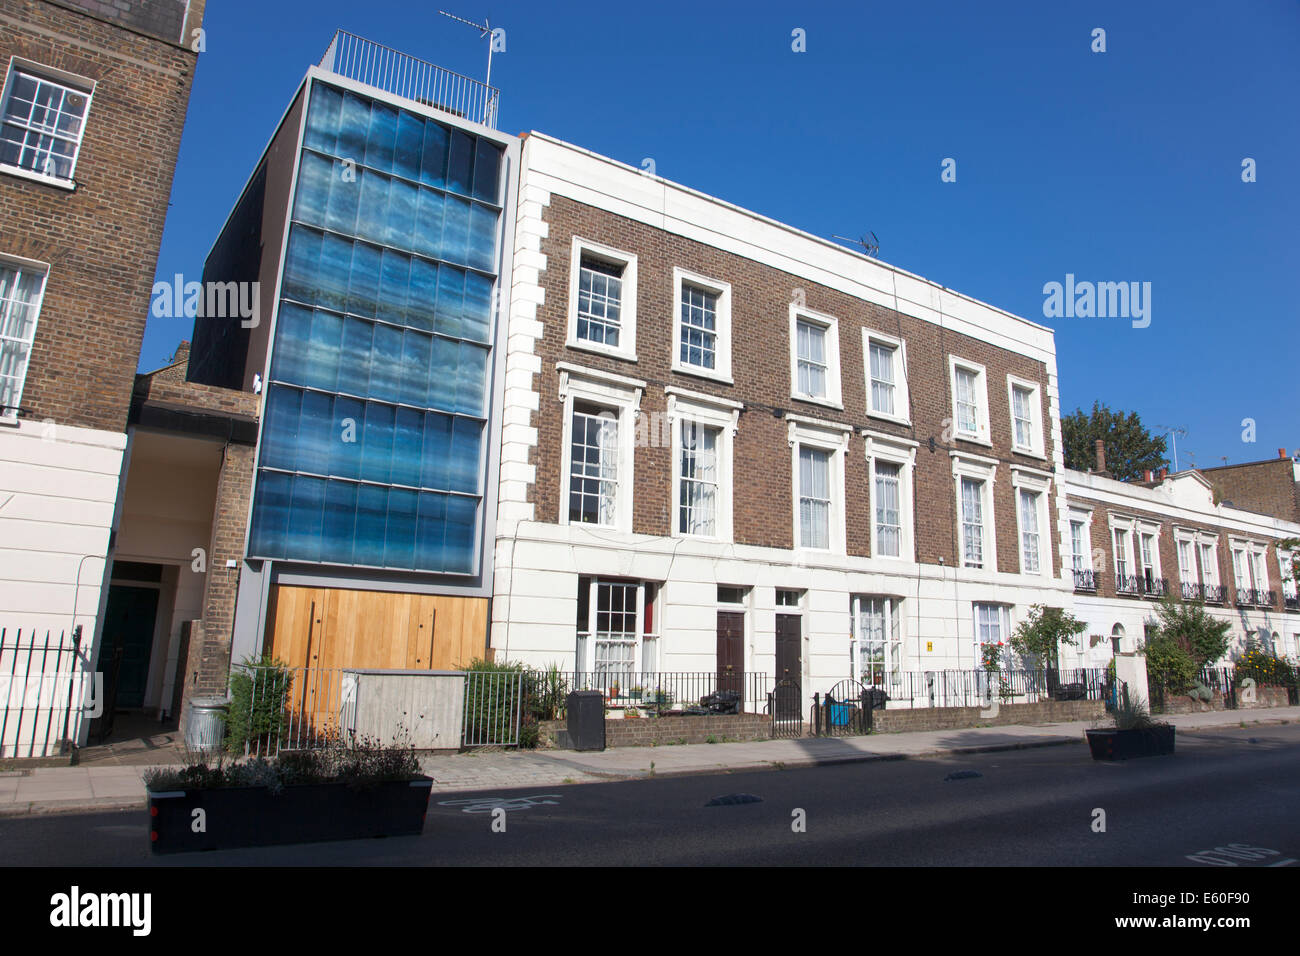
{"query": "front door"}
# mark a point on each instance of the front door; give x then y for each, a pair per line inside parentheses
(789, 637)
(731, 651)
(129, 619)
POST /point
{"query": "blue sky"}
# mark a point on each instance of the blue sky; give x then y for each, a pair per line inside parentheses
(1117, 166)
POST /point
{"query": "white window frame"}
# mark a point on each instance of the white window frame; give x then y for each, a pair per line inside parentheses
(902, 413)
(1209, 572)
(893, 641)
(9, 416)
(722, 332)
(1036, 447)
(901, 452)
(981, 434)
(1258, 556)
(1184, 538)
(712, 412)
(983, 470)
(825, 436)
(71, 81)
(627, 305)
(1004, 626)
(1145, 528)
(588, 664)
(1038, 484)
(620, 395)
(1128, 526)
(1082, 516)
(833, 396)
(1285, 575)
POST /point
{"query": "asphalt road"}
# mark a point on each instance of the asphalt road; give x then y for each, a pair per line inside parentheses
(1223, 789)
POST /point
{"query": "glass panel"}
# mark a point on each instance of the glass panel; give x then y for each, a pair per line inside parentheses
(435, 472)
(394, 281)
(430, 530)
(455, 230)
(471, 397)
(372, 520)
(323, 118)
(417, 351)
(270, 514)
(482, 238)
(340, 522)
(477, 323)
(399, 539)
(422, 295)
(354, 124)
(433, 160)
(315, 434)
(372, 214)
(400, 220)
(465, 449)
(323, 356)
(312, 196)
(410, 141)
(408, 446)
(382, 137)
(280, 430)
(386, 364)
(377, 443)
(348, 429)
(487, 163)
(462, 515)
(306, 518)
(460, 165)
(451, 301)
(341, 211)
(354, 356)
(427, 239)
(363, 284)
(293, 342)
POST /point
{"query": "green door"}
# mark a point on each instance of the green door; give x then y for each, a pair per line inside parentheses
(128, 623)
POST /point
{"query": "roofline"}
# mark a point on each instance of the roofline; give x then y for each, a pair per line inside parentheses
(793, 230)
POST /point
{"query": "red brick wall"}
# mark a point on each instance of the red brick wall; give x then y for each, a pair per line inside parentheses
(761, 296)
(1268, 487)
(101, 241)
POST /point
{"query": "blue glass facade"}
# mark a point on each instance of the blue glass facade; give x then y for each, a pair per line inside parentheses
(375, 422)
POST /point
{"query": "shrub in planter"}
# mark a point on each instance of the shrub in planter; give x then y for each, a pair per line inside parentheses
(298, 797)
(1132, 733)
(257, 717)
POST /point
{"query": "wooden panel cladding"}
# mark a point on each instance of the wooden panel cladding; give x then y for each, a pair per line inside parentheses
(339, 627)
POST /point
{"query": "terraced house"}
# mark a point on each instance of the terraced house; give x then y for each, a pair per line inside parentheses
(730, 447)
(1133, 543)
(93, 102)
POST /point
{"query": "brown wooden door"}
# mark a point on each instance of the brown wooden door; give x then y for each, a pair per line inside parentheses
(789, 640)
(731, 651)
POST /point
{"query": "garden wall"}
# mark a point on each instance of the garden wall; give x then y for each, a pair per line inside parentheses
(1265, 697)
(664, 731)
(954, 718)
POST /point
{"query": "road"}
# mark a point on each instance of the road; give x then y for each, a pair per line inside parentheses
(1017, 808)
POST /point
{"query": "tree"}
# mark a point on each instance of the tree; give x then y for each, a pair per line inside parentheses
(1043, 631)
(1130, 448)
(1203, 637)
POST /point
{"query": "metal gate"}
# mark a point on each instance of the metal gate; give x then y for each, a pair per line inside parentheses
(494, 704)
(846, 710)
(785, 705)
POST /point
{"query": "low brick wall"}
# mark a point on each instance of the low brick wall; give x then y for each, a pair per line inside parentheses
(956, 718)
(1265, 697)
(665, 731)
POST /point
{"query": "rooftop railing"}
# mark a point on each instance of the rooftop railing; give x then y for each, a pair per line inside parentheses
(403, 75)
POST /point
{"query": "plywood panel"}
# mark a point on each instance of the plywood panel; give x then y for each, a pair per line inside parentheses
(340, 627)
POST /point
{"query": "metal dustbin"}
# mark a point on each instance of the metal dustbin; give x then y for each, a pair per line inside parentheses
(586, 718)
(206, 727)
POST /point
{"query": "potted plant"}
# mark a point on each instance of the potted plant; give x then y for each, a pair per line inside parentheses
(338, 793)
(1133, 733)
(631, 712)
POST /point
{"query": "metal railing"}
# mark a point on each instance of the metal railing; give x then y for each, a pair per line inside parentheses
(1085, 580)
(283, 708)
(669, 692)
(1291, 602)
(494, 708)
(958, 688)
(43, 692)
(404, 75)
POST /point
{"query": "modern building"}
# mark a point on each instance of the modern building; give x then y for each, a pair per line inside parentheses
(729, 446)
(93, 103)
(375, 238)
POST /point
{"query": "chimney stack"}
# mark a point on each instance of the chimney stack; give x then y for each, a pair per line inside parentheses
(1147, 476)
(1281, 453)
(1164, 473)
(1101, 456)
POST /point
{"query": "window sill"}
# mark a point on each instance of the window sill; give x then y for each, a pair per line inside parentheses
(974, 440)
(704, 374)
(814, 400)
(893, 419)
(64, 184)
(595, 349)
(1029, 453)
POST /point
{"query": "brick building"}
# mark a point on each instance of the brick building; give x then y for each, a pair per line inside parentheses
(1271, 487)
(728, 445)
(93, 104)
(1130, 544)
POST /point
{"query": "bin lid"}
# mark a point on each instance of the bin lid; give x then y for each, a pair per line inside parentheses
(207, 703)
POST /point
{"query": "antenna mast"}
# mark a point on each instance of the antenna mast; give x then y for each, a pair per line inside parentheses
(484, 29)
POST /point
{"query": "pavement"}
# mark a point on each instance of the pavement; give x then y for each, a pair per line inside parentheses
(109, 783)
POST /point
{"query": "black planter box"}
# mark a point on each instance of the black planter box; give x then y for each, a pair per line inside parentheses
(312, 813)
(1126, 744)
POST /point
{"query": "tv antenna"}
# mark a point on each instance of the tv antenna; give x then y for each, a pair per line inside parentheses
(869, 243)
(1174, 432)
(484, 31)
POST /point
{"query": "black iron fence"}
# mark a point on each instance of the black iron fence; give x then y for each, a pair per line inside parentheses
(46, 688)
(978, 688)
(664, 692)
